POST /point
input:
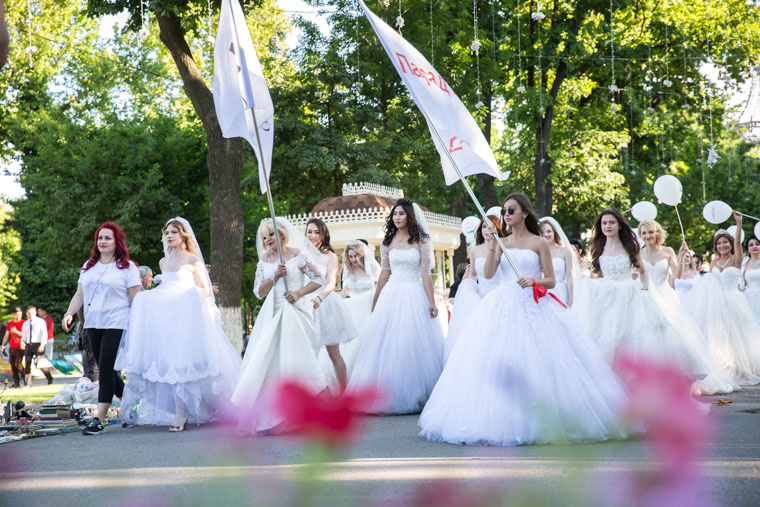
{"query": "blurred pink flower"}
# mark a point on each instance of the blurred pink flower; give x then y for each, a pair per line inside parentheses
(677, 429)
(331, 419)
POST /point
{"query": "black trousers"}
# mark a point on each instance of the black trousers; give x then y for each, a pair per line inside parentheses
(105, 345)
(16, 358)
(30, 352)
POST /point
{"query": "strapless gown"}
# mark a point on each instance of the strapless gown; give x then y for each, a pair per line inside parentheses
(175, 349)
(683, 288)
(752, 292)
(560, 286)
(359, 304)
(527, 373)
(722, 313)
(623, 319)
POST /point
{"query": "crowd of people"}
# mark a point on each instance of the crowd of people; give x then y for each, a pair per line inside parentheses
(30, 342)
(529, 355)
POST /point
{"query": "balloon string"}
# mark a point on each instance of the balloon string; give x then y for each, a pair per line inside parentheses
(750, 216)
(683, 236)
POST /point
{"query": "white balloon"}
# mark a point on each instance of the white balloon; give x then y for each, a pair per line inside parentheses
(732, 231)
(757, 230)
(668, 189)
(469, 225)
(644, 210)
(716, 212)
(494, 211)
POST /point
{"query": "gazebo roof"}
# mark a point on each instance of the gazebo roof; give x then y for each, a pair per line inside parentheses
(352, 202)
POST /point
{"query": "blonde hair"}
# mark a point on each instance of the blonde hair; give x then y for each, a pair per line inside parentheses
(659, 232)
(359, 250)
(190, 245)
(267, 228)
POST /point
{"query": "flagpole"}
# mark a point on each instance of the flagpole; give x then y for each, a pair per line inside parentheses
(472, 194)
(269, 191)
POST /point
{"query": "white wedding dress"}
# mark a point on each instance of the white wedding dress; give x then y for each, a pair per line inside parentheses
(683, 288)
(624, 319)
(401, 353)
(468, 296)
(715, 382)
(528, 373)
(282, 346)
(175, 349)
(730, 329)
(359, 305)
(752, 292)
(560, 286)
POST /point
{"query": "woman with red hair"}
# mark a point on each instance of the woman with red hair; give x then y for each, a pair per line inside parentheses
(108, 282)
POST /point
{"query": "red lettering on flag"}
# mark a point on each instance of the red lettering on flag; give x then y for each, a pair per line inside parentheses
(455, 144)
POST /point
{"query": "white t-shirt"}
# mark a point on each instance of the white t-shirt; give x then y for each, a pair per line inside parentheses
(106, 296)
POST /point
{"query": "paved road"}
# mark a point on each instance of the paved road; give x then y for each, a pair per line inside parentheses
(208, 466)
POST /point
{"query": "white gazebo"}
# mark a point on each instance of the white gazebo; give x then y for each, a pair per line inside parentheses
(360, 213)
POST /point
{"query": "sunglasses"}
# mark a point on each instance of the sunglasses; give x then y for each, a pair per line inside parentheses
(508, 211)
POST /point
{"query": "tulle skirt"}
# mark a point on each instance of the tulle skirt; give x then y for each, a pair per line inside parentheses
(730, 329)
(753, 299)
(333, 322)
(715, 381)
(175, 350)
(401, 353)
(281, 347)
(527, 373)
(467, 298)
(623, 319)
(561, 291)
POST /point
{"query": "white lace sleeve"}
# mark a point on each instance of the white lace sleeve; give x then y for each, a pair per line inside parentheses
(385, 262)
(310, 270)
(264, 271)
(424, 246)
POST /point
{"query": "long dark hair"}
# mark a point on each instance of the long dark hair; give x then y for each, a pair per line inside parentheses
(415, 234)
(627, 238)
(531, 220)
(121, 253)
(324, 233)
(479, 238)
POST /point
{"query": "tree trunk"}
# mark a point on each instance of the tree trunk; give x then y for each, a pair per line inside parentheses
(459, 209)
(225, 165)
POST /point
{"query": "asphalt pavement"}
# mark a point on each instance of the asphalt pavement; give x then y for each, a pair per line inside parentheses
(387, 465)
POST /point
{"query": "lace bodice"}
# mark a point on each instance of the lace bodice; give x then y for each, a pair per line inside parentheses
(729, 278)
(406, 263)
(616, 267)
(527, 262)
(299, 270)
(658, 272)
(560, 266)
(359, 285)
(753, 280)
(486, 284)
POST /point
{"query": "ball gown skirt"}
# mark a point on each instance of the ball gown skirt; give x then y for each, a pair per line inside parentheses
(722, 313)
(527, 374)
(281, 347)
(401, 354)
(175, 349)
(752, 292)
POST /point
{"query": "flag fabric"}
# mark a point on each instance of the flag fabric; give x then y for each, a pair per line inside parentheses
(239, 86)
(454, 131)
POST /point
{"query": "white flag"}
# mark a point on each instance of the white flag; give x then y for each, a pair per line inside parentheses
(460, 137)
(239, 85)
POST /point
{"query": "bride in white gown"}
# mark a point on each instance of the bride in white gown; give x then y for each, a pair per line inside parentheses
(282, 342)
(566, 266)
(528, 373)
(619, 312)
(360, 273)
(661, 264)
(474, 286)
(401, 353)
(751, 273)
(723, 314)
(180, 366)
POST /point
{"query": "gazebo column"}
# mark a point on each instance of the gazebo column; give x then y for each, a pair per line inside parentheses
(452, 273)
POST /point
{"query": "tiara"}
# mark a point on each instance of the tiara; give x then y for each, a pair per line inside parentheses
(721, 231)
